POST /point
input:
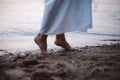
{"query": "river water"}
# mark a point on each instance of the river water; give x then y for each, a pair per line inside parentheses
(20, 22)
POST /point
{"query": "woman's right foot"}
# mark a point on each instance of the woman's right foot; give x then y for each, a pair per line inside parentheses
(61, 41)
(41, 41)
(64, 44)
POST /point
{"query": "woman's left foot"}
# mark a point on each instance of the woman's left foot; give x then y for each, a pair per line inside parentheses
(40, 40)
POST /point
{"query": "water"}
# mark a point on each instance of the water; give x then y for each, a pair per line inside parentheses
(20, 22)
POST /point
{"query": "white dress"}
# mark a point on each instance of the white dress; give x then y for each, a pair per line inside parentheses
(62, 16)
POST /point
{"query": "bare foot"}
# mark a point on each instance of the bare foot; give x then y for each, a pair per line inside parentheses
(42, 43)
(64, 44)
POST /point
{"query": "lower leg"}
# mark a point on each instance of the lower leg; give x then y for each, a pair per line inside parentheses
(61, 41)
(41, 41)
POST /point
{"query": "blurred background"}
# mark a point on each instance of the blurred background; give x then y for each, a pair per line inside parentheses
(20, 22)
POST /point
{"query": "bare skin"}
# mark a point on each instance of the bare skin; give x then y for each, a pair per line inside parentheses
(41, 41)
(61, 41)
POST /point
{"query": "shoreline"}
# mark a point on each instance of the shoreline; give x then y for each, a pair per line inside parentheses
(86, 63)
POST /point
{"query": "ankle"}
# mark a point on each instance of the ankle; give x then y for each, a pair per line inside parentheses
(42, 37)
(60, 38)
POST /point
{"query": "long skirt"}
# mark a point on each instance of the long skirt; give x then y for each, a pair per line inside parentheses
(62, 16)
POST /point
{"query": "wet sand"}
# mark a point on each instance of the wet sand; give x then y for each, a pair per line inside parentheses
(87, 63)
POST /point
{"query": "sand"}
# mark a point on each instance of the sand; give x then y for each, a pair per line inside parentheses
(87, 63)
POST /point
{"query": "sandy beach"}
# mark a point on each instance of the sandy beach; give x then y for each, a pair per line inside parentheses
(86, 63)
(20, 21)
